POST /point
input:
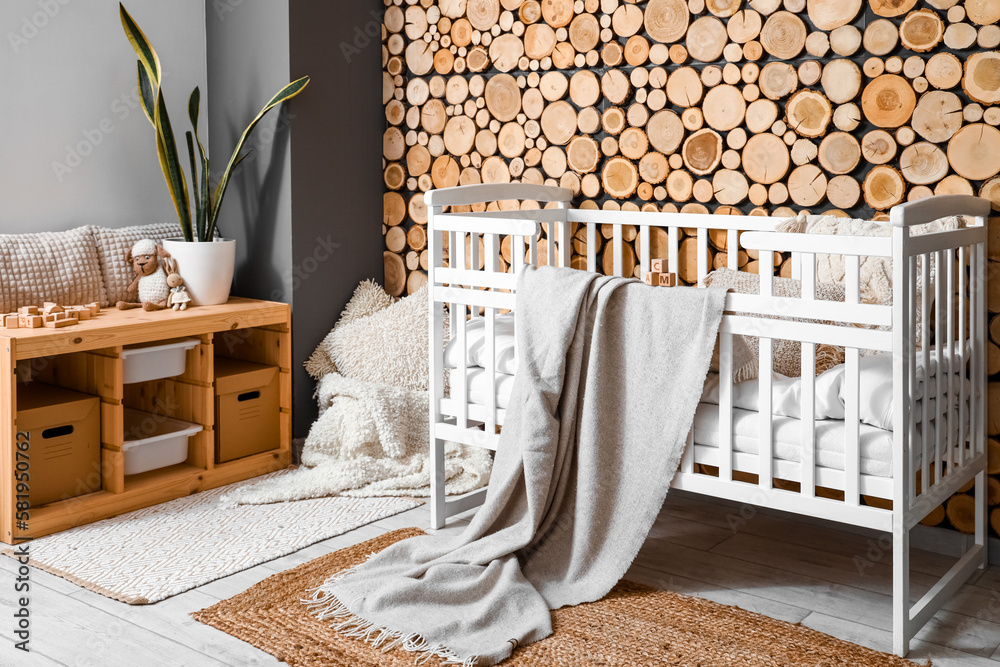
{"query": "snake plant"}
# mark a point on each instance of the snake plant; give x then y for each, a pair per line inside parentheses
(200, 224)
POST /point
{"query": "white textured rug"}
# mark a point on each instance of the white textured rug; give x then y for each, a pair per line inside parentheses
(153, 553)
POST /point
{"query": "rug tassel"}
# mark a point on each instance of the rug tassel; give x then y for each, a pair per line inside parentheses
(325, 605)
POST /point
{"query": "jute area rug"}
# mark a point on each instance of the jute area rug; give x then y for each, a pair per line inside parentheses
(153, 553)
(632, 625)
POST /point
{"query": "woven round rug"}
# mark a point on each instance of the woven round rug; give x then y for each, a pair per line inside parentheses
(633, 625)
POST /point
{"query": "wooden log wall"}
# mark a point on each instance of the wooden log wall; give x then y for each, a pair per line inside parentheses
(766, 107)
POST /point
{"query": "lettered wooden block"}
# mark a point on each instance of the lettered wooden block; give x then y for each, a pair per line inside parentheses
(30, 321)
(668, 280)
(11, 322)
(659, 265)
(651, 278)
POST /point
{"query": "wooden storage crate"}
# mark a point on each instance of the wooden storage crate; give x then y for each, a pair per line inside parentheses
(88, 358)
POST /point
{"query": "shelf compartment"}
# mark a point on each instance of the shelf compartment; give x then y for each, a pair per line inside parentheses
(155, 441)
(156, 361)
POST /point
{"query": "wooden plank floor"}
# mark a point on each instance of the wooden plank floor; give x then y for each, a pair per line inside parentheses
(800, 571)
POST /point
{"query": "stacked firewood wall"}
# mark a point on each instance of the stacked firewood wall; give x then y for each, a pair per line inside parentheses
(760, 107)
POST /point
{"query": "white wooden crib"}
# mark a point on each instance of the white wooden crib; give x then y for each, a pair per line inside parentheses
(927, 465)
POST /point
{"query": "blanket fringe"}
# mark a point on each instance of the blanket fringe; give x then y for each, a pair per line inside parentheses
(325, 605)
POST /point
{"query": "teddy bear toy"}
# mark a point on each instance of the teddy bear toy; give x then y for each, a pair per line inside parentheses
(179, 297)
(148, 261)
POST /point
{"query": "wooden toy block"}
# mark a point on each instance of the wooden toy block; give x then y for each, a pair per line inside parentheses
(28, 310)
(58, 324)
(48, 318)
(50, 308)
(72, 315)
(82, 313)
(668, 280)
(659, 265)
(94, 307)
(11, 322)
(30, 321)
(61, 315)
(652, 278)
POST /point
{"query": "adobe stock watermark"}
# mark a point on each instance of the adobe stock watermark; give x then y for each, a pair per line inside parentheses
(32, 25)
(300, 272)
(224, 7)
(363, 37)
(122, 107)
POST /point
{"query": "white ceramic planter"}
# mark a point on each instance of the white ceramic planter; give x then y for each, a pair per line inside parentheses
(207, 268)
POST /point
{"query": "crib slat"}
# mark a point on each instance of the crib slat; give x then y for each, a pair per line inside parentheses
(766, 359)
(807, 407)
(733, 249)
(533, 250)
(925, 357)
(565, 240)
(703, 268)
(963, 410)
(550, 246)
(726, 407)
(976, 414)
(852, 290)
(672, 256)
(911, 376)
(591, 247)
(949, 269)
(517, 253)
(492, 265)
(435, 384)
(852, 455)
(645, 258)
(942, 376)
(618, 249)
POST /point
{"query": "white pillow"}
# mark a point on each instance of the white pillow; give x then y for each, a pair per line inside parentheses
(505, 352)
(387, 347)
(49, 266)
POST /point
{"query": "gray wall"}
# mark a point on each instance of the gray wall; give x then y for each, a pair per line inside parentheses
(248, 61)
(337, 168)
(77, 148)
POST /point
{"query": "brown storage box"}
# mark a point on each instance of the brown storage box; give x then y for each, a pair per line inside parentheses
(246, 409)
(64, 431)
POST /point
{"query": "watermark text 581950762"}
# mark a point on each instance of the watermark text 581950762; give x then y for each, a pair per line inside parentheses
(22, 578)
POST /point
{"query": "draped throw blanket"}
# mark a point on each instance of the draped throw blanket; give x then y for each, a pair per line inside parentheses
(609, 376)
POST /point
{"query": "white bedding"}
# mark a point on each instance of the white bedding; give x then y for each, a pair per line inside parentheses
(875, 381)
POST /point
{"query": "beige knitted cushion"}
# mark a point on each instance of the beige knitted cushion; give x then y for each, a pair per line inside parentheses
(112, 244)
(49, 266)
(368, 299)
(787, 353)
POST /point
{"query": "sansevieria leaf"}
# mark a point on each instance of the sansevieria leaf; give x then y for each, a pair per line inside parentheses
(202, 192)
(147, 55)
(146, 95)
(286, 93)
(166, 149)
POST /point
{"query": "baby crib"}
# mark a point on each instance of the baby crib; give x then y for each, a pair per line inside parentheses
(744, 455)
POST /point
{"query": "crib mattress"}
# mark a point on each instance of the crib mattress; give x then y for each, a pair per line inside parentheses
(875, 444)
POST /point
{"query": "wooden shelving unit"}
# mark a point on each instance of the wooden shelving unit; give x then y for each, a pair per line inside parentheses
(87, 358)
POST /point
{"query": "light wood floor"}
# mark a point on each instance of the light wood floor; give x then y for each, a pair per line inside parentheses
(834, 581)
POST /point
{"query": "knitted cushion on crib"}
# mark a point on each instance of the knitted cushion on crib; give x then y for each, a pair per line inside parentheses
(112, 244)
(786, 353)
(368, 299)
(875, 275)
(388, 347)
(49, 266)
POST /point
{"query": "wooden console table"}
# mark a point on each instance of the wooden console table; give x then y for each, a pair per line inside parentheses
(87, 358)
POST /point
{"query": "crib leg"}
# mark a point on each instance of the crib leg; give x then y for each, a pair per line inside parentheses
(981, 510)
(900, 586)
(438, 513)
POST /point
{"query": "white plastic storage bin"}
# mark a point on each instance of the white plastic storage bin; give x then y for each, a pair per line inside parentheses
(154, 361)
(155, 441)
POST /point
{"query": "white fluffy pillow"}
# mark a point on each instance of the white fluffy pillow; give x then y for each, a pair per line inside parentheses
(368, 298)
(388, 347)
(112, 244)
(49, 266)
